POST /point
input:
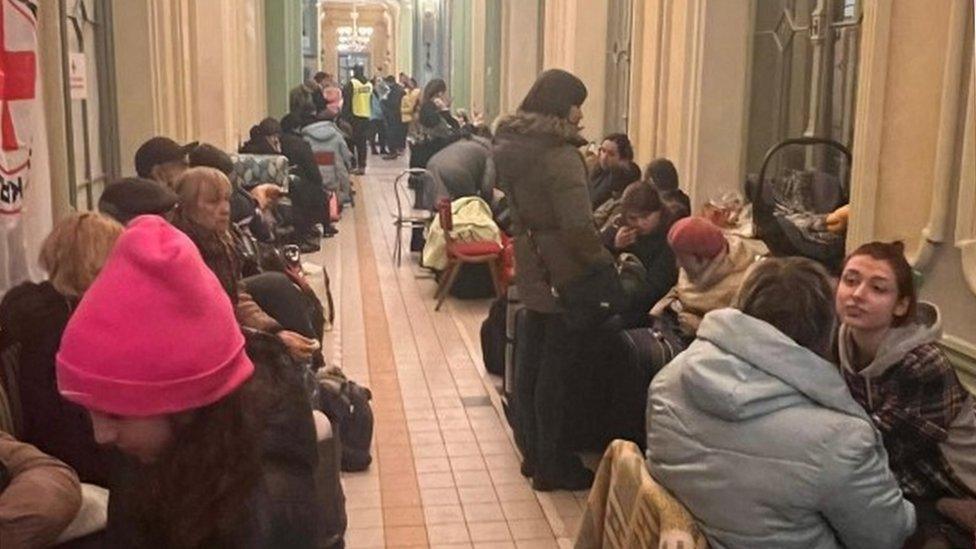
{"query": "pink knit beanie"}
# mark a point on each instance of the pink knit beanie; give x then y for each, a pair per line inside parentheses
(155, 334)
(696, 236)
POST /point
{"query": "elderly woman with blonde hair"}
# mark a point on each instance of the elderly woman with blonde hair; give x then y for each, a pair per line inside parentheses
(268, 301)
(32, 319)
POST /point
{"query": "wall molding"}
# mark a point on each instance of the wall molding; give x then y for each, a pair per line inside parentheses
(965, 235)
(872, 80)
(951, 109)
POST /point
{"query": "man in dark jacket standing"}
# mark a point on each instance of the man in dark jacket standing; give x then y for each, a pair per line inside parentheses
(396, 134)
(356, 108)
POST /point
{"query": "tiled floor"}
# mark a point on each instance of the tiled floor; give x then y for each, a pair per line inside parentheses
(446, 473)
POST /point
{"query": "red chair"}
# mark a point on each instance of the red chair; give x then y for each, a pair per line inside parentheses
(460, 252)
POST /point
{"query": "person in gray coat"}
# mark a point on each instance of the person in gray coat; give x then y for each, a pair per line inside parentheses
(757, 434)
(463, 168)
(325, 138)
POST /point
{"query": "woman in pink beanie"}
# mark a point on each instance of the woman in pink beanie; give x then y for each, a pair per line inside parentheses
(216, 429)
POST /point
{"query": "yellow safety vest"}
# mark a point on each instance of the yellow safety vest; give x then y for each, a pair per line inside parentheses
(361, 97)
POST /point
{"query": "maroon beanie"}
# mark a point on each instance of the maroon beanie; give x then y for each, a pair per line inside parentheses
(696, 236)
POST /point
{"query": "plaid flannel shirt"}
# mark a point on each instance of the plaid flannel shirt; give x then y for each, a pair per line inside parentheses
(913, 404)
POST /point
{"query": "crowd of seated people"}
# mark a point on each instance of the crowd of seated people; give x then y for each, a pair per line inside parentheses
(168, 355)
(803, 411)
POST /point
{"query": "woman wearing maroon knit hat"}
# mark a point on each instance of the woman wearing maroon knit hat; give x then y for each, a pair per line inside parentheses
(215, 426)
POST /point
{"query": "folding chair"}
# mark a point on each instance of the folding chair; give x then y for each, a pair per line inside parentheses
(410, 219)
(461, 252)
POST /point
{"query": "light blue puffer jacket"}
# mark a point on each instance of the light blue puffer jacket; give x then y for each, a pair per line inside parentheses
(325, 137)
(762, 442)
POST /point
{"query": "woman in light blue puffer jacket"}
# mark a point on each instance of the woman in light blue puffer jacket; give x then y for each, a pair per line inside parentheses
(758, 435)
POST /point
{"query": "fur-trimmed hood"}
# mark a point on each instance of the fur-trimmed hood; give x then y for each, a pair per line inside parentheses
(534, 124)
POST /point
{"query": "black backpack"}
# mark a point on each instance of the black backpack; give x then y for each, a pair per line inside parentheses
(347, 405)
(493, 337)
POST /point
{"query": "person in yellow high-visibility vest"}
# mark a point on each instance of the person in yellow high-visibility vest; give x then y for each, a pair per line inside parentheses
(356, 109)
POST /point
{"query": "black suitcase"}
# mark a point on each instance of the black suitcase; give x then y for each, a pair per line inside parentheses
(493, 337)
(637, 355)
(515, 314)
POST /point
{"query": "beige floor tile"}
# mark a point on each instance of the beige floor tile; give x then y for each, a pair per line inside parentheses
(429, 451)
(472, 478)
(406, 536)
(495, 545)
(425, 438)
(403, 516)
(458, 449)
(483, 512)
(421, 426)
(439, 496)
(435, 480)
(507, 477)
(522, 510)
(501, 447)
(467, 463)
(448, 533)
(537, 544)
(443, 514)
(489, 531)
(432, 465)
(458, 435)
(530, 529)
(366, 518)
(503, 461)
(477, 494)
(447, 424)
(515, 492)
(363, 500)
(363, 538)
(451, 546)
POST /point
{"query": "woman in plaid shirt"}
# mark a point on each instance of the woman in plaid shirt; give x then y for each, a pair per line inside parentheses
(888, 354)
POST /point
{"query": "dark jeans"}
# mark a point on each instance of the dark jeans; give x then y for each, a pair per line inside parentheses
(396, 135)
(360, 133)
(378, 136)
(310, 205)
(545, 364)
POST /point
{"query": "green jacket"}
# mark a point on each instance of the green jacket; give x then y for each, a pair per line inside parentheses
(540, 169)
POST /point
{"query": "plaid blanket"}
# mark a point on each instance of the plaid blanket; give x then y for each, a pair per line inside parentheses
(626, 509)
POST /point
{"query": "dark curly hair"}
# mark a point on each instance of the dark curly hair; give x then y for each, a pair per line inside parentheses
(194, 495)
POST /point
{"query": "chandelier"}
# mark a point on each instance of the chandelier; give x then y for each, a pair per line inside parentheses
(354, 38)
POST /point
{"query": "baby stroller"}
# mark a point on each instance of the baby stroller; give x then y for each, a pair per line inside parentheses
(790, 210)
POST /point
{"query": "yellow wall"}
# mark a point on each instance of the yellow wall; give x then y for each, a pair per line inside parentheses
(381, 45)
(576, 40)
(190, 70)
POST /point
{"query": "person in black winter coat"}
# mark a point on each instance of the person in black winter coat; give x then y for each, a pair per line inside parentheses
(641, 229)
(33, 317)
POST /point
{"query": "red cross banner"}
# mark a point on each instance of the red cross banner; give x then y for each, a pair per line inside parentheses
(19, 117)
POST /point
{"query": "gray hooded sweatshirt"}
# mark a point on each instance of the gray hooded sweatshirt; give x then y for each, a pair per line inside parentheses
(914, 397)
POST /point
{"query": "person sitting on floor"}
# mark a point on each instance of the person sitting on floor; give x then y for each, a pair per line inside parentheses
(755, 432)
(641, 229)
(39, 495)
(615, 169)
(162, 160)
(215, 425)
(308, 197)
(204, 215)
(33, 316)
(713, 266)
(663, 176)
(889, 356)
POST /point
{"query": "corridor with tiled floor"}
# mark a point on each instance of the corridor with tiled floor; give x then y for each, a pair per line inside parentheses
(445, 470)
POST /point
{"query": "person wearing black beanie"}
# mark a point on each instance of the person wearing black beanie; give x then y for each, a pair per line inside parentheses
(128, 198)
(541, 171)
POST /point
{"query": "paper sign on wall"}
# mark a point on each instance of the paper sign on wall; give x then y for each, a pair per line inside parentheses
(78, 75)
